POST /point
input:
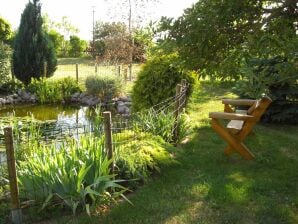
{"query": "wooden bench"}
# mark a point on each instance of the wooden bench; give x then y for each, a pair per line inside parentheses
(241, 123)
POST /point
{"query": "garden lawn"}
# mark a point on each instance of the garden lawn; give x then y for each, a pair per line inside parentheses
(67, 68)
(208, 187)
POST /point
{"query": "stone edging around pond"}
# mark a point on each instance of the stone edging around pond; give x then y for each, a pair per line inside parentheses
(21, 97)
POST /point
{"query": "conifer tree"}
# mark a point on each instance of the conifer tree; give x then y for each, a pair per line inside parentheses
(32, 46)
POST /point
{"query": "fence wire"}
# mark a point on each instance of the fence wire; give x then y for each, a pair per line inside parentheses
(56, 140)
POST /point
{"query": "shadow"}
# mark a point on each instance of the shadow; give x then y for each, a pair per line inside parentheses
(208, 187)
(211, 90)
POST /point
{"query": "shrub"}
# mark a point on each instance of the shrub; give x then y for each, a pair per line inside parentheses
(46, 91)
(53, 91)
(5, 53)
(77, 174)
(160, 124)
(157, 81)
(276, 77)
(69, 86)
(11, 86)
(140, 154)
(105, 86)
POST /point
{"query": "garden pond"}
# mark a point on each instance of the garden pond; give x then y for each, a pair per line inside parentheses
(55, 121)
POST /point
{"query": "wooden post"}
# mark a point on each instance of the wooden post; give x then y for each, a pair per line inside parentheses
(125, 74)
(45, 67)
(108, 137)
(184, 89)
(177, 112)
(95, 68)
(119, 70)
(77, 72)
(16, 212)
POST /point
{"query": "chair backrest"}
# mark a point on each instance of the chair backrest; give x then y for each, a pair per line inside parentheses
(259, 107)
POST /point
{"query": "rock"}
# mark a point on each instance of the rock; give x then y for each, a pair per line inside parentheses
(76, 95)
(122, 108)
(9, 99)
(15, 96)
(2, 101)
(33, 99)
(83, 95)
(124, 99)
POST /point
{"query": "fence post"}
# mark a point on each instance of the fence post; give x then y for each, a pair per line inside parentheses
(95, 68)
(125, 74)
(45, 67)
(119, 70)
(77, 72)
(177, 112)
(108, 137)
(184, 89)
(16, 212)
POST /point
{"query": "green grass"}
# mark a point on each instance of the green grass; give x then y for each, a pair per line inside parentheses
(67, 68)
(208, 187)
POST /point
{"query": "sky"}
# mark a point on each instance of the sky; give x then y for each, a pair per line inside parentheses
(80, 12)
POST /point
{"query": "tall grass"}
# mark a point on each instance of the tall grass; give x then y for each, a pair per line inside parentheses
(76, 174)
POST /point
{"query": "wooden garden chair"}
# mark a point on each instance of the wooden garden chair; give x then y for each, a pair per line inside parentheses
(241, 123)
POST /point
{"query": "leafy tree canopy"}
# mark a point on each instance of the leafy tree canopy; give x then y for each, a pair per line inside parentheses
(5, 30)
(218, 36)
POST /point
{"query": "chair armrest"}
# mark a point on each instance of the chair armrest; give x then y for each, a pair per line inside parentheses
(239, 102)
(231, 116)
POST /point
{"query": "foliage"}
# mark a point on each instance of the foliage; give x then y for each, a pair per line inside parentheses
(215, 36)
(139, 154)
(5, 55)
(11, 86)
(160, 123)
(57, 40)
(157, 81)
(68, 87)
(5, 31)
(53, 91)
(77, 174)
(105, 86)
(112, 41)
(76, 46)
(32, 46)
(276, 77)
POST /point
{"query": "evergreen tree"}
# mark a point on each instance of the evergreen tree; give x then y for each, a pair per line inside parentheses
(32, 46)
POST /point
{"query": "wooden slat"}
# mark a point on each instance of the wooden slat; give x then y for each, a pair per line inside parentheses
(238, 102)
(230, 116)
(234, 126)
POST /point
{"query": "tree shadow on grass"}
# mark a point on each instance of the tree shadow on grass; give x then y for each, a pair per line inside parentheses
(208, 187)
(211, 90)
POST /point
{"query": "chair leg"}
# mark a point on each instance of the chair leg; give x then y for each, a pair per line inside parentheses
(232, 141)
(229, 150)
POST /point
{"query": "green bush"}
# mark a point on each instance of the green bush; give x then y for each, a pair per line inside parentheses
(69, 86)
(77, 175)
(160, 124)
(11, 86)
(5, 54)
(53, 91)
(140, 154)
(276, 77)
(104, 86)
(157, 81)
(46, 91)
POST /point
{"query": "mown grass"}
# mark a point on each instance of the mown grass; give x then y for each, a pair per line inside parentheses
(208, 187)
(67, 68)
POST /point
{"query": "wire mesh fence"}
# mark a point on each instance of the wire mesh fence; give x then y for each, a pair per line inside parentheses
(81, 71)
(45, 168)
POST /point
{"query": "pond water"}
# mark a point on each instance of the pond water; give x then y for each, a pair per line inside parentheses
(55, 119)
